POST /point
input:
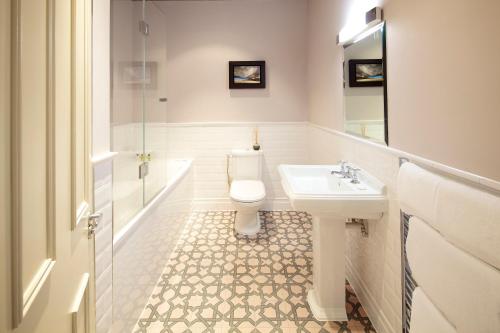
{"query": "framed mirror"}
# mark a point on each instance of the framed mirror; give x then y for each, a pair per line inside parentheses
(365, 90)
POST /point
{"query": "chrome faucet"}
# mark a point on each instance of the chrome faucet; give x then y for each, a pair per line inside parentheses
(347, 171)
(344, 170)
(353, 174)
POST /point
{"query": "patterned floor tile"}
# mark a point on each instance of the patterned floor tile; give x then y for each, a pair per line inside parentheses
(219, 282)
(138, 264)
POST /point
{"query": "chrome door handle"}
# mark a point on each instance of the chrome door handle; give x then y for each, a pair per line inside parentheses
(94, 220)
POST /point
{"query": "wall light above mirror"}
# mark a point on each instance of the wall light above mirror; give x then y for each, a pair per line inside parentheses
(365, 90)
(356, 29)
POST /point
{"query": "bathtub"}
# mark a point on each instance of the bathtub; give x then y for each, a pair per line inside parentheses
(179, 169)
(143, 246)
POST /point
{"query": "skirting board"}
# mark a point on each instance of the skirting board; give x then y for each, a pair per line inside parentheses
(216, 204)
(378, 319)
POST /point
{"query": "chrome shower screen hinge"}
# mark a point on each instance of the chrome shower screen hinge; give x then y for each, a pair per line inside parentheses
(143, 170)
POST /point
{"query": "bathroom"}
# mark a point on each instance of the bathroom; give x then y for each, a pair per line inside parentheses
(250, 166)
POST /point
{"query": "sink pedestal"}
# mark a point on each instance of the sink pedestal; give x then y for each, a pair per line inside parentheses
(331, 200)
(327, 295)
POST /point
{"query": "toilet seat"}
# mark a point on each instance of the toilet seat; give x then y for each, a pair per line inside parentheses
(247, 191)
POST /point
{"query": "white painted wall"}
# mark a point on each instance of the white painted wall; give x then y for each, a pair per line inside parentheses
(203, 36)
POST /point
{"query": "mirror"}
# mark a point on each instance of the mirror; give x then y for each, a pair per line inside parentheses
(365, 92)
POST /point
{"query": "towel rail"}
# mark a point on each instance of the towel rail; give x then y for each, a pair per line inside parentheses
(482, 183)
(408, 284)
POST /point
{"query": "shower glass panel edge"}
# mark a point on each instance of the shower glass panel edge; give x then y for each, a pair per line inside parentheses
(127, 130)
(154, 112)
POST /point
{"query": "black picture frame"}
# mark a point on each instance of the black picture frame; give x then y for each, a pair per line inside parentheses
(253, 83)
(353, 65)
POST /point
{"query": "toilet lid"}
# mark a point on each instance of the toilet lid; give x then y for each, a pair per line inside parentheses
(247, 190)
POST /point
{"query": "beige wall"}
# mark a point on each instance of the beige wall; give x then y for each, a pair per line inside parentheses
(128, 44)
(5, 295)
(203, 36)
(441, 55)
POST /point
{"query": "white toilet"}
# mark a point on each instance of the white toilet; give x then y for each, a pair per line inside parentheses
(247, 190)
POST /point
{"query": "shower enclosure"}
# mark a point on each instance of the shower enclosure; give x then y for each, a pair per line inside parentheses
(139, 136)
(139, 110)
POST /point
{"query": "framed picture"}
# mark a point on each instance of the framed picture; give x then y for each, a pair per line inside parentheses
(136, 74)
(247, 74)
(366, 73)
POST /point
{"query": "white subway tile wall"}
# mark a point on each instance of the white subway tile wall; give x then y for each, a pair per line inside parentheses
(208, 145)
(103, 196)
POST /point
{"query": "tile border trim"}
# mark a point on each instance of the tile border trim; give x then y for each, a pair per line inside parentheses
(103, 157)
(480, 181)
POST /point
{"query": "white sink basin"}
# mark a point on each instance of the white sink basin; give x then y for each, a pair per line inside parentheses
(331, 199)
(313, 188)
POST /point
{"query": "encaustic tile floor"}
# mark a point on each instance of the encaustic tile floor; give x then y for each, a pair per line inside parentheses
(216, 281)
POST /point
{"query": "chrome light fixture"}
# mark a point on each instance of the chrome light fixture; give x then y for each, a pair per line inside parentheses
(356, 30)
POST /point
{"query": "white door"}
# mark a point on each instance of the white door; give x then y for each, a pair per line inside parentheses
(50, 252)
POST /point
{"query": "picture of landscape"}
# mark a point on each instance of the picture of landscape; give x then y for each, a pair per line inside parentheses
(369, 73)
(247, 74)
(366, 73)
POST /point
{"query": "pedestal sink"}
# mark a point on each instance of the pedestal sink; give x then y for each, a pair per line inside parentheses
(331, 200)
